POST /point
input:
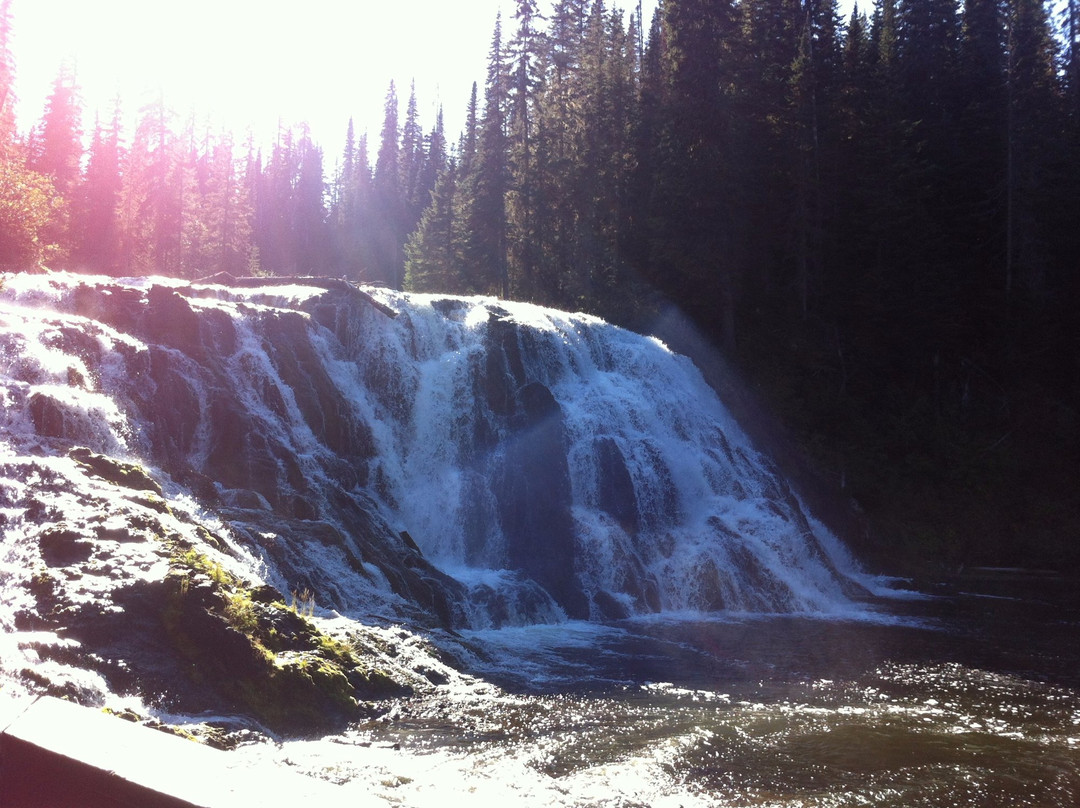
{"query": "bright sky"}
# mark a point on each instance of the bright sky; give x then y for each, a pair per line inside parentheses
(248, 63)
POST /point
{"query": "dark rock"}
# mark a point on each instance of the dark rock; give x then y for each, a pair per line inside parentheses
(534, 500)
(244, 499)
(118, 306)
(49, 416)
(330, 417)
(609, 607)
(62, 546)
(171, 406)
(264, 593)
(170, 321)
(126, 475)
(118, 534)
(409, 542)
(615, 489)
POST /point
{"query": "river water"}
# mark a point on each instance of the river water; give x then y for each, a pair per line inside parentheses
(567, 467)
(967, 695)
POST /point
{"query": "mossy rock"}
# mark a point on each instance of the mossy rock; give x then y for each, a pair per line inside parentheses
(324, 678)
(125, 475)
(272, 663)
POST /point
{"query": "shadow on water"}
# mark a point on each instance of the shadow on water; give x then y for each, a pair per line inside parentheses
(967, 696)
(1010, 624)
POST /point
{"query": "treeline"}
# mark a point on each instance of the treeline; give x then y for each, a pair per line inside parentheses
(877, 216)
(176, 197)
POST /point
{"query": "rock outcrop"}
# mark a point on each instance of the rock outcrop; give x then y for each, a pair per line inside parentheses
(216, 495)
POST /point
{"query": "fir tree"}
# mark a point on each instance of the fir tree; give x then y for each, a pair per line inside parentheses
(96, 211)
(483, 190)
(389, 211)
(56, 146)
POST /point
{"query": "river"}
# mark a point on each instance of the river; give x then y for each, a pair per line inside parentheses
(630, 605)
(967, 694)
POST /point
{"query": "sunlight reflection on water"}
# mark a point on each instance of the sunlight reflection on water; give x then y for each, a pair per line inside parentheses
(940, 708)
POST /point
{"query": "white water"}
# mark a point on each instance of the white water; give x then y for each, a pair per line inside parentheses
(705, 522)
(708, 505)
(762, 710)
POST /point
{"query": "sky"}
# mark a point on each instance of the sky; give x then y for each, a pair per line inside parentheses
(248, 64)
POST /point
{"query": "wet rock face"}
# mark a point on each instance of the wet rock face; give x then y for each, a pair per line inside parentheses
(534, 499)
(616, 489)
(249, 407)
(234, 407)
(143, 597)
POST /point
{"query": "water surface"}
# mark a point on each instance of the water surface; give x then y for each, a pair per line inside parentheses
(967, 697)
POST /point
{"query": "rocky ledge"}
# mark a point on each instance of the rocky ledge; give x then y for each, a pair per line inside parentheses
(137, 591)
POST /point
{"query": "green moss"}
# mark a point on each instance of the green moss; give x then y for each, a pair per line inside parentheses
(241, 614)
(186, 559)
(292, 677)
(125, 475)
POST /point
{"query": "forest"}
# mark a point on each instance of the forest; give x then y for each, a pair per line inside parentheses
(876, 218)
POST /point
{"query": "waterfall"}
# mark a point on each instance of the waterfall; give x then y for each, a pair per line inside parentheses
(591, 458)
(481, 462)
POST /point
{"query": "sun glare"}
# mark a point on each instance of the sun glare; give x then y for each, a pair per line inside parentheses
(248, 65)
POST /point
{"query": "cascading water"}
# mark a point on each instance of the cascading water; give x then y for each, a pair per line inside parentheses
(437, 484)
(549, 465)
(588, 459)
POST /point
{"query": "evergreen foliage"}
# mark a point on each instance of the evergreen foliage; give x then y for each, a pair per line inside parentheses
(875, 217)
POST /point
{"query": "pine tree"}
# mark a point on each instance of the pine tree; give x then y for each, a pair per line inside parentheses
(312, 254)
(482, 191)
(435, 161)
(151, 208)
(1071, 30)
(415, 197)
(980, 132)
(467, 144)
(884, 35)
(351, 214)
(56, 145)
(55, 151)
(525, 80)
(431, 261)
(389, 211)
(218, 213)
(96, 211)
(1032, 122)
(696, 251)
(568, 19)
(350, 200)
(274, 183)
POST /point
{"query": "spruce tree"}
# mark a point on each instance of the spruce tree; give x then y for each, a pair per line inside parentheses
(309, 223)
(96, 211)
(351, 215)
(389, 211)
(696, 236)
(431, 262)
(483, 190)
(56, 145)
(1033, 120)
(151, 214)
(524, 52)
(412, 164)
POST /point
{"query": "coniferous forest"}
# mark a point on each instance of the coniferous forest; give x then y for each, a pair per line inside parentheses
(877, 218)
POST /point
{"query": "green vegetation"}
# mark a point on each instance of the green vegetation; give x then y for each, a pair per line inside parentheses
(874, 217)
(303, 602)
(268, 656)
